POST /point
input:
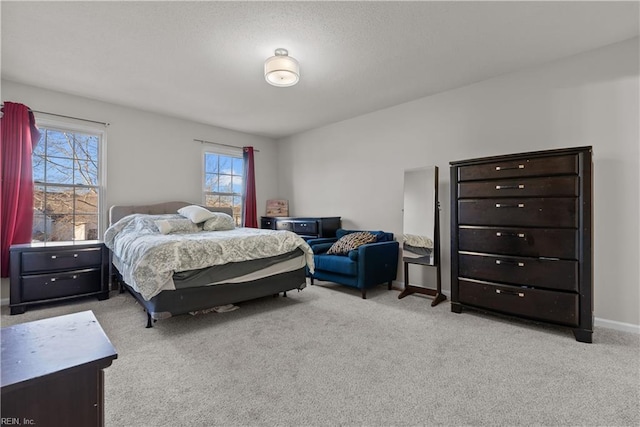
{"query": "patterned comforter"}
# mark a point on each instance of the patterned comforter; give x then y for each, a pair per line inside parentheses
(150, 258)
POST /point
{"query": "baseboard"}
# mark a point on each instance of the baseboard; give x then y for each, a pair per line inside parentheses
(618, 326)
(603, 323)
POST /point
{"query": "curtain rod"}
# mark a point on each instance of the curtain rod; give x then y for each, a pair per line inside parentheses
(67, 117)
(202, 141)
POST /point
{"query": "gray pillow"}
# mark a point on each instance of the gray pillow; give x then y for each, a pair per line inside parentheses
(170, 226)
(220, 221)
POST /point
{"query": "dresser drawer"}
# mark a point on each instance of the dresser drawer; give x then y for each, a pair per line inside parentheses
(559, 307)
(536, 272)
(267, 223)
(550, 212)
(47, 286)
(60, 259)
(537, 166)
(305, 227)
(550, 242)
(566, 186)
(284, 225)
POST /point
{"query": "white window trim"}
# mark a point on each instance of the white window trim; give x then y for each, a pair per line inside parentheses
(220, 150)
(101, 132)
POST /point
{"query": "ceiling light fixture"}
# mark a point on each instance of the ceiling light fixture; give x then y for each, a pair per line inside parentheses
(281, 70)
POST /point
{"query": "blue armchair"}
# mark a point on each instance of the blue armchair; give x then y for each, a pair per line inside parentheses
(363, 268)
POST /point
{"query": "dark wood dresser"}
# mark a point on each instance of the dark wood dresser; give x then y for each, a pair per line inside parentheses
(521, 236)
(52, 371)
(306, 227)
(55, 271)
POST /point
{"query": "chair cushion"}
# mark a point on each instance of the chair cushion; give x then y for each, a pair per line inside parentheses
(335, 264)
(351, 241)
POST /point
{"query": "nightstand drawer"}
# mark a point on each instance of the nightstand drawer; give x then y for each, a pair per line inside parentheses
(47, 286)
(557, 186)
(559, 307)
(61, 259)
(560, 165)
(555, 212)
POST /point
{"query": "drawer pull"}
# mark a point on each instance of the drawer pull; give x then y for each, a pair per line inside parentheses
(72, 277)
(503, 234)
(58, 256)
(502, 292)
(502, 205)
(509, 187)
(502, 168)
(501, 262)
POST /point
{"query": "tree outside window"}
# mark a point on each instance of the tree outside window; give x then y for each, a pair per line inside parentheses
(223, 183)
(66, 186)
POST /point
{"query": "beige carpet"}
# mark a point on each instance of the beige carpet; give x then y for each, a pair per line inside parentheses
(326, 357)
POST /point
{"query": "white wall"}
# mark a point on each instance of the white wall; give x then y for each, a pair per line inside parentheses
(150, 157)
(354, 168)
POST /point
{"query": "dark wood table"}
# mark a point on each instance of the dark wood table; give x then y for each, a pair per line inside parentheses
(52, 371)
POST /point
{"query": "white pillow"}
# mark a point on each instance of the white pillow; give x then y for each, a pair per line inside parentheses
(169, 226)
(195, 213)
(220, 221)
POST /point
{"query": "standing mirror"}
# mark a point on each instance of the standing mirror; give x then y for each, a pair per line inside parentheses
(421, 229)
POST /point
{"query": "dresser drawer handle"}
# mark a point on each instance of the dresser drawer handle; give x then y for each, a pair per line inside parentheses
(58, 256)
(518, 263)
(72, 277)
(501, 292)
(502, 205)
(502, 168)
(510, 187)
(503, 234)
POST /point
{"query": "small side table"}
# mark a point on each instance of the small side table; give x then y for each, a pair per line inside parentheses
(411, 289)
(57, 271)
(52, 371)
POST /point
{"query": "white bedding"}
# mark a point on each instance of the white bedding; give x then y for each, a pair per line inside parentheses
(150, 258)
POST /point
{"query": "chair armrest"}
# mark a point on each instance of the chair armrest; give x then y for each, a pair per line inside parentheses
(321, 244)
(379, 249)
(378, 262)
(311, 242)
(320, 248)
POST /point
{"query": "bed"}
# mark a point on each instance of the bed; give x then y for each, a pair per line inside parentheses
(232, 265)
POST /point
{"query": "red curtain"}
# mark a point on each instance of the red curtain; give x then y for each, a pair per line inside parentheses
(18, 136)
(249, 214)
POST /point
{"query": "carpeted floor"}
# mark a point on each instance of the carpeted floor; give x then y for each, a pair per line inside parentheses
(326, 357)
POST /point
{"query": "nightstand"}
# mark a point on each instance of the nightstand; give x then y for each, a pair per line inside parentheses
(57, 271)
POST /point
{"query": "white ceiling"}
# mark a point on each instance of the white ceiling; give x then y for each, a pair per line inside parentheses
(204, 60)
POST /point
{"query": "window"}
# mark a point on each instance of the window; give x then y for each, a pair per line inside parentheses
(66, 175)
(223, 182)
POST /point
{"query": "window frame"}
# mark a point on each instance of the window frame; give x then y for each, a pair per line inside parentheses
(225, 152)
(100, 132)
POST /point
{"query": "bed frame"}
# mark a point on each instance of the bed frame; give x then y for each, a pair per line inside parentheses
(181, 301)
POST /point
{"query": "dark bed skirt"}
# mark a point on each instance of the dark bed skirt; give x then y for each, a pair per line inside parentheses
(172, 303)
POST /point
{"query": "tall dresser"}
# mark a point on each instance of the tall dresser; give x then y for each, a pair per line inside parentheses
(521, 237)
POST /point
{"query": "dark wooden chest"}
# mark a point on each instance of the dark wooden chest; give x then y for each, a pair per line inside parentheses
(521, 236)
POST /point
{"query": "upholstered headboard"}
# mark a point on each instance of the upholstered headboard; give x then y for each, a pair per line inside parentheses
(117, 212)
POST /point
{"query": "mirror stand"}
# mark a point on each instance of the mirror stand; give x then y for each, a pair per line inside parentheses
(411, 289)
